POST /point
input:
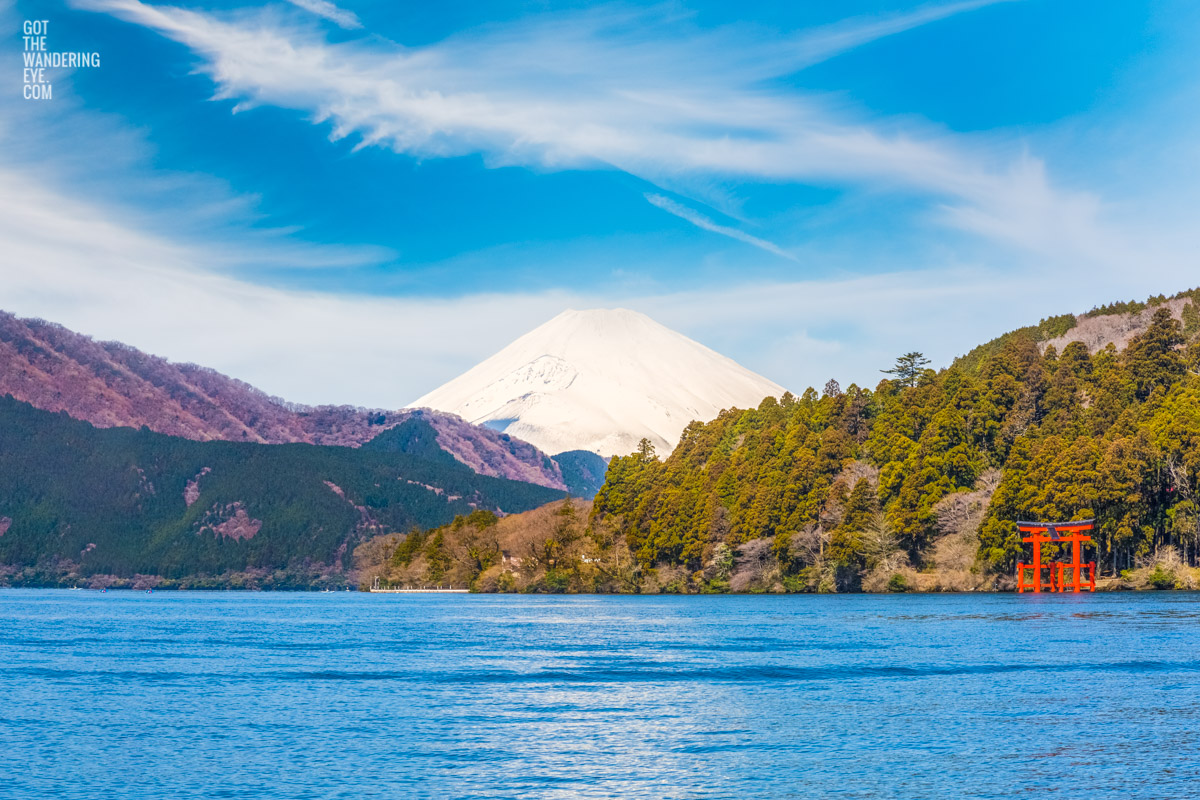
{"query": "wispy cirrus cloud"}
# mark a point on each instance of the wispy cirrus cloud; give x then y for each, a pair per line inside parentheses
(638, 92)
(56, 144)
(703, 222)
(323, 8)
(828, 41)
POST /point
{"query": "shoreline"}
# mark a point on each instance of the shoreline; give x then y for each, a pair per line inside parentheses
(1112, 588)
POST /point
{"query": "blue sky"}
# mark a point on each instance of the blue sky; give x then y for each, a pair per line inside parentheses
(355, 202)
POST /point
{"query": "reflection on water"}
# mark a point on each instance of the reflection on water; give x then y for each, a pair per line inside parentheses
(124, 695)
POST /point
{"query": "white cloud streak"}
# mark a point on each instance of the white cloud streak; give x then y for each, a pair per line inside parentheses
(703, 222)
(323, 8)
(629, 91)
(828, 41)
(62, 139)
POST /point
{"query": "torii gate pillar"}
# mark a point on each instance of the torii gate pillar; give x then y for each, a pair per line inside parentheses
(1052, 532)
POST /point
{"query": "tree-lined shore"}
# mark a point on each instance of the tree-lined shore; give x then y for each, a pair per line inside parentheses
(914, 485)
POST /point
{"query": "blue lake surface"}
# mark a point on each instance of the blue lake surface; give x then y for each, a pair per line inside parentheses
(215, 695)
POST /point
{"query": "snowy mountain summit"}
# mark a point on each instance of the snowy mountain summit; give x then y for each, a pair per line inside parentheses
(600, 380)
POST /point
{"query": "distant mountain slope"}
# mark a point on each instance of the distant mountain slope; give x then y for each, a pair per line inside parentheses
(600, 381)
(110, 384)
(75, 499)
(583, 472)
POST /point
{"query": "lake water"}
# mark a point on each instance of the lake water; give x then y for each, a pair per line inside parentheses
(190, 695)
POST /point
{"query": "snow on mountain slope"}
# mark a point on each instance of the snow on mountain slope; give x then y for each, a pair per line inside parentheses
(600, 380)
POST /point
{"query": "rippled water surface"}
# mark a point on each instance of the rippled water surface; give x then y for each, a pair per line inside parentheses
(188, 695)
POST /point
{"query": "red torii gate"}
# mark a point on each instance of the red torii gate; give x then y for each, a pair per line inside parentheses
(1052, 532)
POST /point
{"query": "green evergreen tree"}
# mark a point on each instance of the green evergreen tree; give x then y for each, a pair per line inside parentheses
(908, 368)
(1154, 358)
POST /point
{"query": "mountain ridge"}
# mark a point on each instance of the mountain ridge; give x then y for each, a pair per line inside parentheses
(110, 384)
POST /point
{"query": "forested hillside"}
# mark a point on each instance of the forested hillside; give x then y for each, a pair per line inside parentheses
(88, 504)
(110, 384)
(869, 486)
(544, 550)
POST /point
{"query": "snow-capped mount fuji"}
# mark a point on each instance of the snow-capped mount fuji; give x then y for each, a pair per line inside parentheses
(600, 380)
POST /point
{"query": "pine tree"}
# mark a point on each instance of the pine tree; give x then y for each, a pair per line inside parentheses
(908, 368)
(1153, 359)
